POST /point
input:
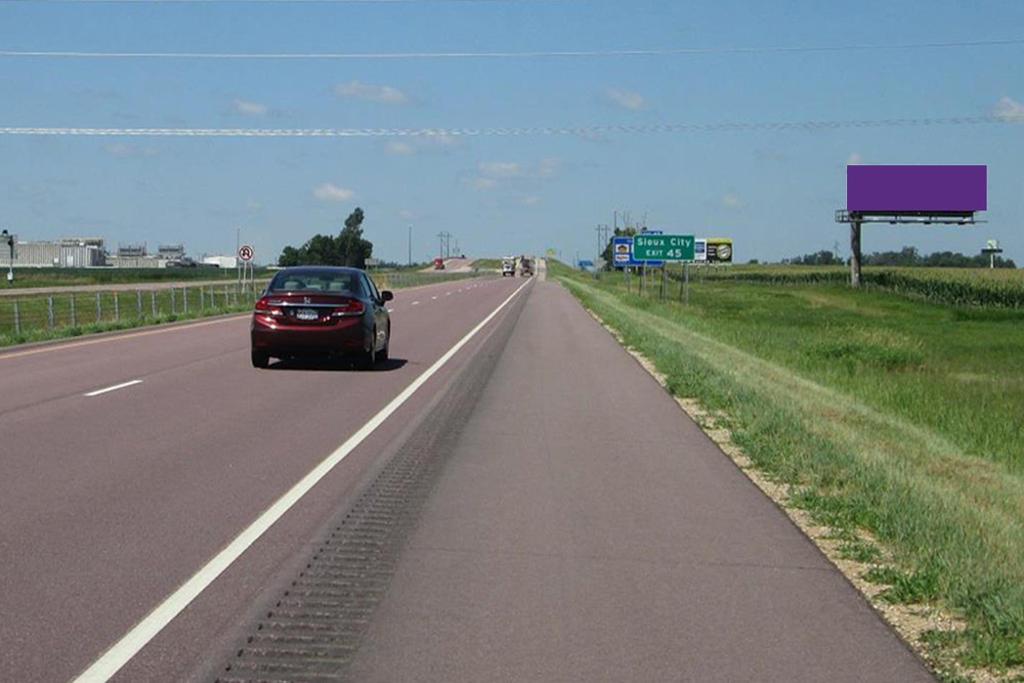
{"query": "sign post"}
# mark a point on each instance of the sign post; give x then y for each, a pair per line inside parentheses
(246, 254)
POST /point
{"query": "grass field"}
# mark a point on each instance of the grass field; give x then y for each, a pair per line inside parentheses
(884, 413)
(62, 277)
(1001, 287)
(487, 263)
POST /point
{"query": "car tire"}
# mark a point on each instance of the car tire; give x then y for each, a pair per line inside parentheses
(260, 359)
(369, 358)
(385, 353)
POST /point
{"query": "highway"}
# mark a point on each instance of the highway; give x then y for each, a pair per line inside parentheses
(566, 520)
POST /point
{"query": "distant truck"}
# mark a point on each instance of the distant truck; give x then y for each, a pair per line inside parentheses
(439, 264)
(526, 266)
(508, 267)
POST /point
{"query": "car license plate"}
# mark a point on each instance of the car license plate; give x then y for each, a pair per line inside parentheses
(307, 314)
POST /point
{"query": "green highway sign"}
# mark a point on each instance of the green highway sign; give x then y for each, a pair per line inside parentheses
(663, 248)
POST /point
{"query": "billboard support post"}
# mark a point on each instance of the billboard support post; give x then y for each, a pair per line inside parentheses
(854, 252)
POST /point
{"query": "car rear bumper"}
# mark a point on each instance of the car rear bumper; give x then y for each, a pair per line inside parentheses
(346, 336)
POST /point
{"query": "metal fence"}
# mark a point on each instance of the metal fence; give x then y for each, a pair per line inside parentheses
(22, 317)
(35, 313)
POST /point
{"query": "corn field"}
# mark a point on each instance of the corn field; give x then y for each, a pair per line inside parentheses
(1002, 288)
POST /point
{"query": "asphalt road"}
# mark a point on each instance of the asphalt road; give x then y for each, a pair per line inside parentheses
(111, 501)
(584, 529)
(580, 528)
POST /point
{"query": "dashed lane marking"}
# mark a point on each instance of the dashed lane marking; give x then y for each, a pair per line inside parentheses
(107, 390)
(111, 661)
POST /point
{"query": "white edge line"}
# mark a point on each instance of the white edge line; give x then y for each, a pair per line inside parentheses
(122, 385)
(139, 636)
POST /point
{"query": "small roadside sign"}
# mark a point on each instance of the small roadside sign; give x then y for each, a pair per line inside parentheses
(246, 252)
(648, 247)
(622, 252)
(700, 250)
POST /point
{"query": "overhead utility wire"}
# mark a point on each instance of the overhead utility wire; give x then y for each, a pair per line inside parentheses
(279, 2)
(530, 54)
(503, 132)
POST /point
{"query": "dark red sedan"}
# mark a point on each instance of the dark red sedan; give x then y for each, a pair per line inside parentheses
(321, 310)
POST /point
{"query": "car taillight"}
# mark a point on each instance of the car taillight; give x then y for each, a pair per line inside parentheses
(264, 307)
(348, 308)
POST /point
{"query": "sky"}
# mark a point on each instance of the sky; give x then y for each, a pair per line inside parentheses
(773, 191)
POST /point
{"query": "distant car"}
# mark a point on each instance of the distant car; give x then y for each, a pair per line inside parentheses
(508, 267)
(439, 264)
(321, 310)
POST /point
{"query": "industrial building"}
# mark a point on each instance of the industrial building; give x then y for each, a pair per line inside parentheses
(75, 252)
(90, 252)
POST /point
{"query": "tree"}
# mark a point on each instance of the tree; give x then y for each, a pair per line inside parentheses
(821, 258)
(351, 245)
(347, 249)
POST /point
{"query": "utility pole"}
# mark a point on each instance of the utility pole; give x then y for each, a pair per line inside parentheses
(445, 244)
(410, 245)
(7, 237)
(238, 245)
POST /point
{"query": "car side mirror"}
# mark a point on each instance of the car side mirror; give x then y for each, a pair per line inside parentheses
(387, 295)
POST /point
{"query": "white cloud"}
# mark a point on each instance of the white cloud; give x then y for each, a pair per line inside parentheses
(855, 159)
(492, 173)
(626, 98)
(383, 94)
(124, 150)
(548, 167)
(1009, 109)
(249, 108)
(500, 169)
(480, 183)
(731, 201)
(329, 192)
(531, 200)
(421, 143)
(400, 148)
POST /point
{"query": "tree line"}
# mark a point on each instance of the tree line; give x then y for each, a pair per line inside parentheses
(348, 248)
(905, 257)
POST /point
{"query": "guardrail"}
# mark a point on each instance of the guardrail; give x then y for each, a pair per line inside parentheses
(29, 317)
(33, 317)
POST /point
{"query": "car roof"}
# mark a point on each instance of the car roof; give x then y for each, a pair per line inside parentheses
(295, 270)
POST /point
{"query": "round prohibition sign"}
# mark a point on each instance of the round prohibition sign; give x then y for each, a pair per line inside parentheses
(246, 252)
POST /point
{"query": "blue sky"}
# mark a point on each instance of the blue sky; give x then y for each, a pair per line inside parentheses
(774, 192)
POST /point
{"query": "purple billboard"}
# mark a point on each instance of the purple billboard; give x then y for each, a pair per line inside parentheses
(916, 189)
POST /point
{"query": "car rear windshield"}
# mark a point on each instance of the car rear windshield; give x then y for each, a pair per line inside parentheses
(317, 281)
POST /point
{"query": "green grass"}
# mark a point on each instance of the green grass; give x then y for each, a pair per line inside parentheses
(487, 263)
(884, 413)
(64, 277)
(399, 280)
(1001, 287)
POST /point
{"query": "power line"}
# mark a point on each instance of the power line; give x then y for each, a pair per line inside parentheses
(584, 131)
(278, 2)
(530, 54)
